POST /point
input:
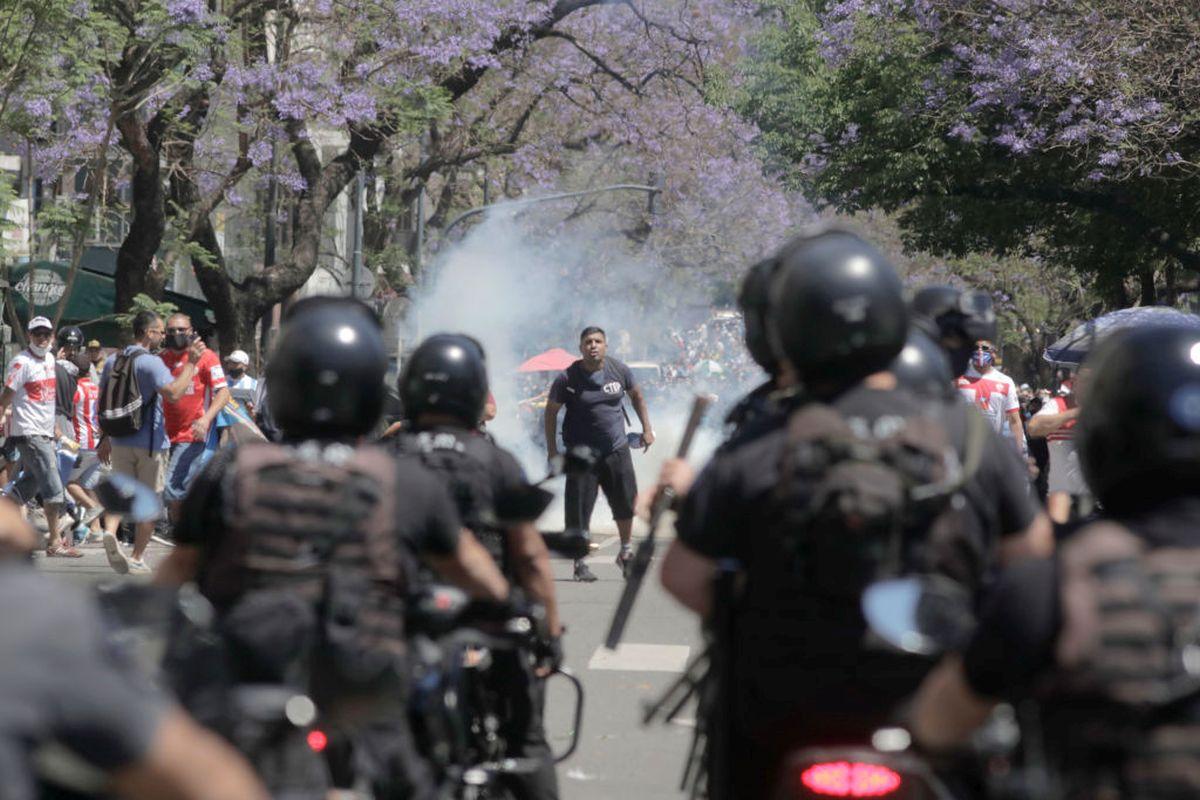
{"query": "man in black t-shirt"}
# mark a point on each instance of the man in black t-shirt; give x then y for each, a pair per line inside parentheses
(66, 378)
(592, 390)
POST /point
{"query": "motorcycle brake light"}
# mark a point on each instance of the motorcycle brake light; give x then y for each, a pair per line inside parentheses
(317, 740)
(850, 779)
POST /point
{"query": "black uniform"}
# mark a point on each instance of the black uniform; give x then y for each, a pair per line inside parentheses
(1095, 634)
(107, 717)
(479, 474)
(802, 672)
(998, 501)
(66, 380)
(312, 524)
(756, 414)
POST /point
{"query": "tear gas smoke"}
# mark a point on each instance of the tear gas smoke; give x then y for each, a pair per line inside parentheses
(520, 295)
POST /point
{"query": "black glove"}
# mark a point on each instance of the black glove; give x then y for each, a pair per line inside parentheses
(549, 653)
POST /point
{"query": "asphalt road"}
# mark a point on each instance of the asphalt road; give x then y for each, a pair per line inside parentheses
(617, 756)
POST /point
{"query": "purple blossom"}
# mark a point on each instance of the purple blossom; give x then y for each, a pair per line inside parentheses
(1109, 158)
(964, 132)
(186, 12)
(38, 107)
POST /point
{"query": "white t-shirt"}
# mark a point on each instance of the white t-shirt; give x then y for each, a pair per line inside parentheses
(32, 382)
(994, 394)
(1065, 472)
(244, 382)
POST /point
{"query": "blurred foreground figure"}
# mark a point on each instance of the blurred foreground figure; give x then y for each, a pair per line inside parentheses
(812, 512)
(67, 702)
(1103, 636)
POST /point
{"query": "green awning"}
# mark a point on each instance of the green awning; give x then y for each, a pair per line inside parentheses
(90, 305)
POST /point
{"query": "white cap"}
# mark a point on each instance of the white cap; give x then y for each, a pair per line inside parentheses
(238, 357)
(40, 322)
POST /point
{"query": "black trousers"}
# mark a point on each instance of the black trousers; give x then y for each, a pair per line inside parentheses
(613, 474)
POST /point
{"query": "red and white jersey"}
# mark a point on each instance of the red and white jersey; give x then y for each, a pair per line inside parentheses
(994, 394)
(1059, 405)
(87, 423)
(32, 382)
(1065, 473)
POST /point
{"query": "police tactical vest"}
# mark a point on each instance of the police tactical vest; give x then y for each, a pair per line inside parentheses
(862, 499)
(856, 500)
(311, 535)
(1123, 688)
(463, 460)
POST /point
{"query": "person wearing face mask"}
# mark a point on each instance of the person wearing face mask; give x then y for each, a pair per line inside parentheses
(189, 417)
(993, 392)
(236, 364)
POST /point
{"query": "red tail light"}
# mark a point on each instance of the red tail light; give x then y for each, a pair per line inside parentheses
(850, 779)
(317, 740)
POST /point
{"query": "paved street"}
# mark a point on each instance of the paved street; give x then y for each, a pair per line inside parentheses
(617, 757)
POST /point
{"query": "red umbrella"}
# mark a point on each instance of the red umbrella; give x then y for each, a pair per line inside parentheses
(552, 360)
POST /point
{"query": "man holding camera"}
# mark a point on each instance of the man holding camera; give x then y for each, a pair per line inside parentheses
(141, 455)
(190, 417)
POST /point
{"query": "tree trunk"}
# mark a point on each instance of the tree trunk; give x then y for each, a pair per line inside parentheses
(1148, 296)
(134, 275)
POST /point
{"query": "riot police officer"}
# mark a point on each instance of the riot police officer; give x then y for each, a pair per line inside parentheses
(306, 549)
(759, 410)
(1101, 635)
(443, 390)
(837, 319)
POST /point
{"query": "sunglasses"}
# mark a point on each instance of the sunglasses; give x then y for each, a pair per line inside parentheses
(983, 348)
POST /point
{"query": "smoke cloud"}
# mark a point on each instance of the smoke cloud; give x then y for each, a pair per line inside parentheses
(521, 293)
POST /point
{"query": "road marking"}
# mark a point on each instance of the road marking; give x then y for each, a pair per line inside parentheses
(641, 658)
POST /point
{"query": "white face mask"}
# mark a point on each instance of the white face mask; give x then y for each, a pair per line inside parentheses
(38, 350)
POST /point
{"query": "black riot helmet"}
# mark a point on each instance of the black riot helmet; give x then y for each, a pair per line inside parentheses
(753, 299)
(923, 368)
(446, 374)
(1139, 422)
(837, 311)
(956, 319)
(325, 378)
(70, 337)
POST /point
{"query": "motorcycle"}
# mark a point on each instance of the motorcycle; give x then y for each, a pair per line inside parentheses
(462, 696)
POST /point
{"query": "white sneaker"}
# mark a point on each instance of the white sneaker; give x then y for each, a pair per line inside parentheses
(116, 559)
(138, 567)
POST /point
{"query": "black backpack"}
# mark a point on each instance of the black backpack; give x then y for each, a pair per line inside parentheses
(858, 505)
(121, 411)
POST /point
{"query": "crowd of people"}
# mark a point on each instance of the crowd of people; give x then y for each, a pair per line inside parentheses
(884, 443)
(168, 390)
